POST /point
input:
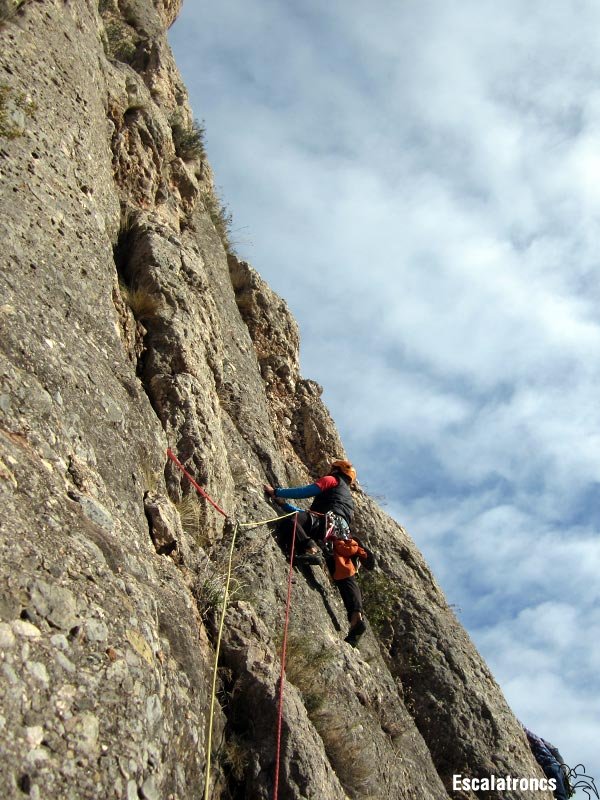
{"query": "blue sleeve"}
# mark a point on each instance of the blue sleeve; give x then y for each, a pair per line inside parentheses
(290, 507)
(298, 491)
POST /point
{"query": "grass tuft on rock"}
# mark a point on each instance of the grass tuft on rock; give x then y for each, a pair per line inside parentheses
(381, 598)
(221, 218)
(209, 592)
(120, 42)
(192, 515)
(189, 140)
(144, 304)
(236, 757)
(209, 589)
(304, 667)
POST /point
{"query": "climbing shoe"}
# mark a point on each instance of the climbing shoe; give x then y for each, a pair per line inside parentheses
(310, 558)
(355, 633)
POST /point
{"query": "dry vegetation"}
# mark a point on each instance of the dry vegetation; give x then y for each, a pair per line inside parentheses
(192, 515)
(209, 588)
(143, 302)
(221, 218)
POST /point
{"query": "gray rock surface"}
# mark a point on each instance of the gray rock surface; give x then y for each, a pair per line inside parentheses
(126, 329)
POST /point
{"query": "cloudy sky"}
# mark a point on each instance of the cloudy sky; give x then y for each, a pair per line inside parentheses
(421, 182)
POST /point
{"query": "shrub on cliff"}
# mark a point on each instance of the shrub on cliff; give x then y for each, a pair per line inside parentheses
(120, 40)
(188, 139)
(380, 597)
(304, 668)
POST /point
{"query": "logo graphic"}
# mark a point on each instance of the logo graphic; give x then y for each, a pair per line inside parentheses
(578, 779)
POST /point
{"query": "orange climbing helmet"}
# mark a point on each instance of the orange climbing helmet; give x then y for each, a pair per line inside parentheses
(345, 467)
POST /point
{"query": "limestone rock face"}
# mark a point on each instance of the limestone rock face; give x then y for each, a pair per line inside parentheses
(126, 329)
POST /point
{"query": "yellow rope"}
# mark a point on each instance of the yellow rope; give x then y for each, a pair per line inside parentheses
(211, 715)
(214, 680)
(265, 521)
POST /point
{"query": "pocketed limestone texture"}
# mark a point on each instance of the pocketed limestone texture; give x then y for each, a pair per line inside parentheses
(126, 328)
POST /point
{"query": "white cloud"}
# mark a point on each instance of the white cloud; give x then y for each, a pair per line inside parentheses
(420, 181)
(548, 693)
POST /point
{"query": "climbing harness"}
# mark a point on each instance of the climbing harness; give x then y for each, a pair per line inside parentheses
(336, 527)
(283, 656)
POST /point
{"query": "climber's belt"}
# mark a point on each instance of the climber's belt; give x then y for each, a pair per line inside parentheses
(336, 526)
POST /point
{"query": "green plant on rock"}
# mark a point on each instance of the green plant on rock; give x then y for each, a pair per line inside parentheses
(189, 140)
(381, 598)
(305, 662)
(121, 41)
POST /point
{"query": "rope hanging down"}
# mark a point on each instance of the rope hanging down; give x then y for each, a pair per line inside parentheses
(213, 694)
(238, 526)
(248, 525)
(196, 486)
(283, 655)
(215, 668)
(201, 491)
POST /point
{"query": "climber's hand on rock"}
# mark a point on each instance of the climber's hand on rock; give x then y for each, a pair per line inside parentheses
(269, 491)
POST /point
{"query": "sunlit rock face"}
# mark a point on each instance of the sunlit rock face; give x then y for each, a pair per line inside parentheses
(128, 328)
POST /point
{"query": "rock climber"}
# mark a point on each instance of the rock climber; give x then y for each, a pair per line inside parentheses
(331, 495)
(325, 528)
(550, 760)
(344, 553)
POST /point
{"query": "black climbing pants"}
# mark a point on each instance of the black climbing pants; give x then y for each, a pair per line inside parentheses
(351, 595)
(308, 530)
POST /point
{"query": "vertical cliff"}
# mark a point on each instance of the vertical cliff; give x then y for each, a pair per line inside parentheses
(128, 328)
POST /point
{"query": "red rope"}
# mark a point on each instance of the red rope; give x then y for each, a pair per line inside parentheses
(283, 654)
(198, 488)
